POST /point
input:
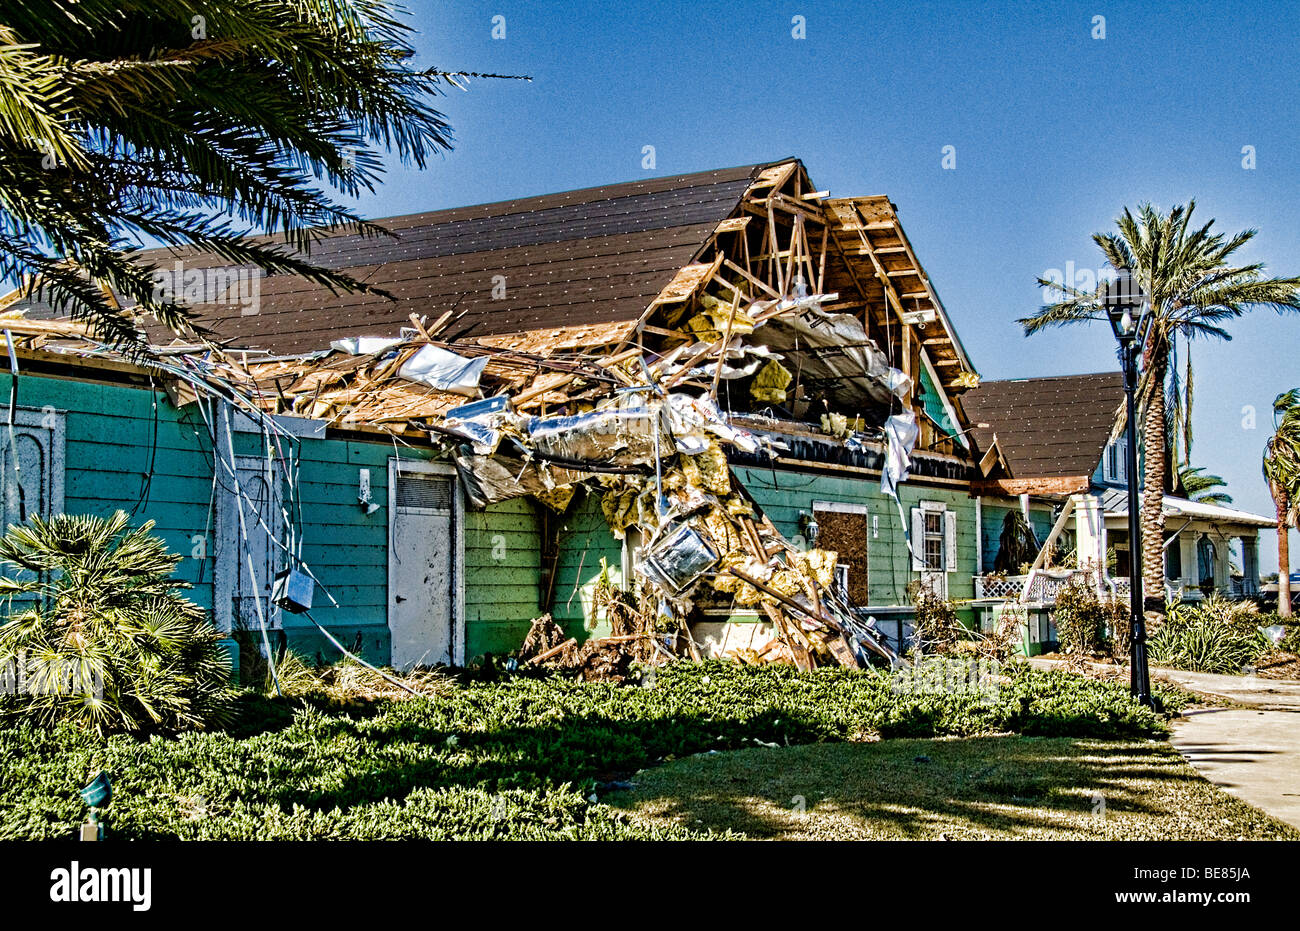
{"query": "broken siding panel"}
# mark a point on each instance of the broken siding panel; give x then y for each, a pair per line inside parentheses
(585, 539)
(502, 556)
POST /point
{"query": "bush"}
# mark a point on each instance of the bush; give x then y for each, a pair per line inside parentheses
(517, 758)
(935, 628)
(1217, 636)
(1086, 625)
(101, 633)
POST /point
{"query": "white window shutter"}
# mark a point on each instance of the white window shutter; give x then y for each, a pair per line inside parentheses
(918, 540)
(950, 540)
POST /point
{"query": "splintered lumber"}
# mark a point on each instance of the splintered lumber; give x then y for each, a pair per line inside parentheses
(798, 652)
(732, 224)
(785, 600)
(538, 390)
(553, 651)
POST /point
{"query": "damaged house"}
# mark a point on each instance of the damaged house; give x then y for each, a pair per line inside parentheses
(717, 413)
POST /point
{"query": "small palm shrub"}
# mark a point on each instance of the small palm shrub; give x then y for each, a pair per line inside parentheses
(101, 632)
(1216, 636)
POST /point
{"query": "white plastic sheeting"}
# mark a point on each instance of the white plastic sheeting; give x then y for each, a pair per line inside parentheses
(444, 370)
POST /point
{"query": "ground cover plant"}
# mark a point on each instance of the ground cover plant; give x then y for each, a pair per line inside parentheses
(522, 757)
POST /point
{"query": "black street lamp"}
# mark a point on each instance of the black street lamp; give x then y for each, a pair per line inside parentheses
(1130, 315)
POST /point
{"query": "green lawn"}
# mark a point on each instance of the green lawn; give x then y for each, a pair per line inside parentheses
(534, 758)
(974, 788)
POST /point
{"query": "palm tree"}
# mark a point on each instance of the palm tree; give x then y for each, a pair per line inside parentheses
(1193, 289)
(125, 122)
(1282, 472)
(102, 631)
(1198, 486)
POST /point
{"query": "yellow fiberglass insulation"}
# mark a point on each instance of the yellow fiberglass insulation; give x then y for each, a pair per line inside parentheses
(770, 383)
(557, 498)
(739, 507)
(820, 564)
(619, 507)
(711, 470)
(722, 531)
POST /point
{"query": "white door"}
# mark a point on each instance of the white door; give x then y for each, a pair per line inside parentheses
(422, 565)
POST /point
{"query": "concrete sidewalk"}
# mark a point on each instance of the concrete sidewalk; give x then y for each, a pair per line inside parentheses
(1252, 752)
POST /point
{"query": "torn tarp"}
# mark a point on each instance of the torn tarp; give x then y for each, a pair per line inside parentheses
(900, 436)
(622, 436)
(364, 345)
(481, 422)
(444, 370)
(487, 479)
(690, 418)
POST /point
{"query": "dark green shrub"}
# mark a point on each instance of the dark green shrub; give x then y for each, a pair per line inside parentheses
(1087, 625)
(515, 758)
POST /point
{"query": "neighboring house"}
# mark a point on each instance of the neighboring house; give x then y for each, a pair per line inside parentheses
(1058, 438)
(374, 509)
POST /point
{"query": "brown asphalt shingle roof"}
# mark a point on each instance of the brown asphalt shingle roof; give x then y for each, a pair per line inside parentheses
(597, 255)
(1047, 427)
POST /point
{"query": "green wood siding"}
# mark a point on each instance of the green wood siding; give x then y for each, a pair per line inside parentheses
(784, 494)
(502, 559)
(109, 448)
(584, 540)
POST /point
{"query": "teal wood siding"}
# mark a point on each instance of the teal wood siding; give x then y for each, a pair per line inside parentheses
(585, 539)
(109, 448)
(344, 547)
(502, 559)
(783, 494)
(995, 511)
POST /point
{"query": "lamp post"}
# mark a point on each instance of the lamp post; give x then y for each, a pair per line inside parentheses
(1130, 317)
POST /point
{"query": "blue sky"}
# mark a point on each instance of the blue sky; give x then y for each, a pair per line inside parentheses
(1054, 131)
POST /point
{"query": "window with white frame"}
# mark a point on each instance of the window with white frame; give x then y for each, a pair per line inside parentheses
(932, 545)
(934, 538)
(1115, 461)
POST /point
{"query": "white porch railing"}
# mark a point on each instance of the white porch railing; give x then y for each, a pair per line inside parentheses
(1042, 585)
